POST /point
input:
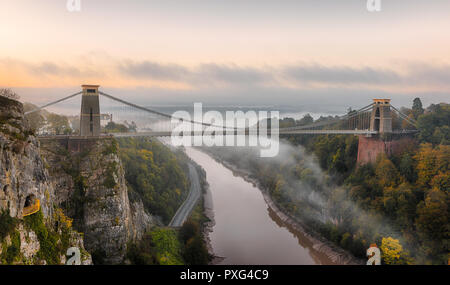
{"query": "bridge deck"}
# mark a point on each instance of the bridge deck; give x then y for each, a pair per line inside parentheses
(281, 132)
(200, 133)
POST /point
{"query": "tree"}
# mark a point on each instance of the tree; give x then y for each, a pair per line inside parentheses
(432, 223)
(196, 252)
(417, 108)
(112, 127)
(338, 162)
(407, 167)
(433, 125)
(307, 119)
(189, 230)
(430, 161)
(392, 252)
(386, 172)
(60, 124)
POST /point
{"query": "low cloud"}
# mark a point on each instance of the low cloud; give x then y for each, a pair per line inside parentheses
(154, 70)
(203, 74)
(46, 68)
(430, 74)
(50, 68)
(234, 74)
(340, 75)
(214, 83)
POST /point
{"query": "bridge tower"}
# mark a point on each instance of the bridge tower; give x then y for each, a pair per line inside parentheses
(381, 119)
(90, 111)
(369, 148)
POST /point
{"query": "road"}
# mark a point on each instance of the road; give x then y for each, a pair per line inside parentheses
(192, 198)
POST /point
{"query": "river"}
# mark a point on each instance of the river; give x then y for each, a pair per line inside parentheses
(246, 230)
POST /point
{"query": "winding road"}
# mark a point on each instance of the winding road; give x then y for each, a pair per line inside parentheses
(192, 198)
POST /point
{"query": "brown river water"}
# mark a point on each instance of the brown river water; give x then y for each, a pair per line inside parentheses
(246, 230)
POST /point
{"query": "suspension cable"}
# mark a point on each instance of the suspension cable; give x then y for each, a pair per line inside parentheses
(53, 103)
(409, 120)
(160, 113)
(319, 124)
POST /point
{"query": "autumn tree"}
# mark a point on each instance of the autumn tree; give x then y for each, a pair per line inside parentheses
(392, 252)
(433, 223)
(386, 172)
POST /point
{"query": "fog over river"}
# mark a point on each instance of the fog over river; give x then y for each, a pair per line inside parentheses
(246, 230)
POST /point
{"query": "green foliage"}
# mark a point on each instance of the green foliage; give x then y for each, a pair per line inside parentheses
(433, 125)
(432, 223)
(405, 196)
(7, 224)
(50, 249)
(142, 253)
(417, 108)
(60, 124)
(165, 246)
(111, 148)
(112, 127)
(189, 230)
(154, 174)
(160, 246)
(12, 252)
(168, 248)
(195, 251)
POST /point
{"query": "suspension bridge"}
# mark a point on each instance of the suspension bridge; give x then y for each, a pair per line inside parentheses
(371, 120)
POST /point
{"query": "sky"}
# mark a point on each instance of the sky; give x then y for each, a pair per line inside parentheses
(292, 53)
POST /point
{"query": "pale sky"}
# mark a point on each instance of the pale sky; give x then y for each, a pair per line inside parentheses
(224, 51)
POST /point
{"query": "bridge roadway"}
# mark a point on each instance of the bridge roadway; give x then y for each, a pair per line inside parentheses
(281, 132)
(188, 205)
(199, 133)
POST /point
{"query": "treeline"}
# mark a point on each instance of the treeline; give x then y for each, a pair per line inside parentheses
(154, 174)
(409, 189)
(401, 203)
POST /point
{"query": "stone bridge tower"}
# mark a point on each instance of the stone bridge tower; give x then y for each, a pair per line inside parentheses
(370, 147)
(90, 111)
(381, 119)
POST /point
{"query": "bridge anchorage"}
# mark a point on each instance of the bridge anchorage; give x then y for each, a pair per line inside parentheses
(380, 126)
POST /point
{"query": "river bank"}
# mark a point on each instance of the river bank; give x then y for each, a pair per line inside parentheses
(208, 210)
(324, 247)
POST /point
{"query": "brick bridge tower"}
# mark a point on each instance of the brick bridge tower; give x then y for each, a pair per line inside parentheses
(90, 111)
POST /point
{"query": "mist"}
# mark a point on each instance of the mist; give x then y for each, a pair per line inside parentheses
(320, 200)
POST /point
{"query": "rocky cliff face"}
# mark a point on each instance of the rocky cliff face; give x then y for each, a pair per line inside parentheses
(90, 186)
(24, 178)
(22, 172)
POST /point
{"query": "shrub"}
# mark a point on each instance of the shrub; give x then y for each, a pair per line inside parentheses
(7, 224)
(50, 249)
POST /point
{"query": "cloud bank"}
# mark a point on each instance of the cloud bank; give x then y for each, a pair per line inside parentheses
(218, 83)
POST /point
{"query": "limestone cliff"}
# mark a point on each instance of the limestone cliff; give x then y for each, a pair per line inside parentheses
(40, 239)
(91, 188)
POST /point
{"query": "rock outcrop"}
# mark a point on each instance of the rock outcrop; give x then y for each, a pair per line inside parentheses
(22, 171)
(24, 177)
(91, 187)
